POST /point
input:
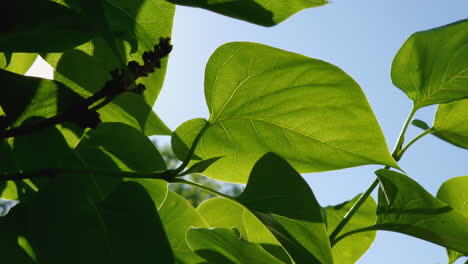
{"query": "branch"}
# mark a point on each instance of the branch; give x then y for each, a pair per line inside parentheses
(122, 81)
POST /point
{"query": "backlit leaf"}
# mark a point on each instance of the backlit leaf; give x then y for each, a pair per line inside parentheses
(451, 123)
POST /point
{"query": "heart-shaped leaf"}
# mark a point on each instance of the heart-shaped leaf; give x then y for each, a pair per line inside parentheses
(406, 207)
(431, 67)
(264, 99)
(451, 123)
(260, 12)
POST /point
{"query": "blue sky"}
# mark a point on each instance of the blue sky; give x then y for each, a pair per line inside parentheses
(361, 37)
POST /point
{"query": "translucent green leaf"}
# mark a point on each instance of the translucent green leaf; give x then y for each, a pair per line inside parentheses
(18, 63)
(351, 248)
(451, 123)
(136, 27)
(431, 67)
(42, 26)
(226, 245)
(178, 216)
(260, 12)
(288, 208)
(406, 207)
(223, 213)
(454, 193)
(24, 97)
(201, 166)
(119, 147)
(264, 99)
(62, 222)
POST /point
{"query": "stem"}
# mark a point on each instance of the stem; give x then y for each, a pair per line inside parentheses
(352, 211)
(362, 199)
(191, 151)
(403, 150)
(204, 188)
(52, 172)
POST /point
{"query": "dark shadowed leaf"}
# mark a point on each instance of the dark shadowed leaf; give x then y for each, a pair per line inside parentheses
(288, 208)
(431, 67)
(454, 193)
(264, 99)
(178, 216)
(261, 12)
(42, 26)
(351, 248)
(406, 207)
(226, 245)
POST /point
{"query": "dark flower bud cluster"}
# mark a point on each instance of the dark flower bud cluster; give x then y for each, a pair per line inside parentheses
(86, 118)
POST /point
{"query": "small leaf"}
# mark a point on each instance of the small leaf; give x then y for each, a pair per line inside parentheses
(226, 245)
(42, 26)
(453, 192)
(420, 124)
(412, 210)
(306, 110)
(288, 208)
(351, 248)
(178, 216)
(451, 123)
(431, 67)
(260, 12)
(201, 166)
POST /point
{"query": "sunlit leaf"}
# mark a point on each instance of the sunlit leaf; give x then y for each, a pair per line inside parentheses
(288, 208)
(42, 26)
(264, 99)
(451, 123)
(406, 207)
(226, 245)
(178, 216)
(351, 248)
(431, 67)
(261, 12)
(18, 62)
(454, 193)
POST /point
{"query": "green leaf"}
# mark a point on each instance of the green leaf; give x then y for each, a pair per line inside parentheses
(178, 216)
(62, 222)
(260, 12)
(420, 124)
(351, 248)
(24, 97)
(406, 207)
(226, 245)
(431, 67)
(119, 147)
(451, 123)
(12, 252)
(8, 164)
(136, 27)
(264, 99)
(453, 192)
(42, 26)
(288, 208)
(18, 63)
(223, 213)
(201, 166)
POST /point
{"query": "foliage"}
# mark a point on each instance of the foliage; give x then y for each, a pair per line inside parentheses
(93, 188)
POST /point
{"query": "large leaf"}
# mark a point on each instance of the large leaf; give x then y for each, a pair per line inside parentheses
(261, 12)
(453, 192)
(432, 66)
(223, 213)
(42, 26)
(351, 248)
(8, 164)
(64, 225)
(264, 99)
(24, 97)
(408, 208)
(17, 62)
(451, 123)
(226, 245)
(119, 147)
(288, 208)
(136, 27)
(178, 216)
